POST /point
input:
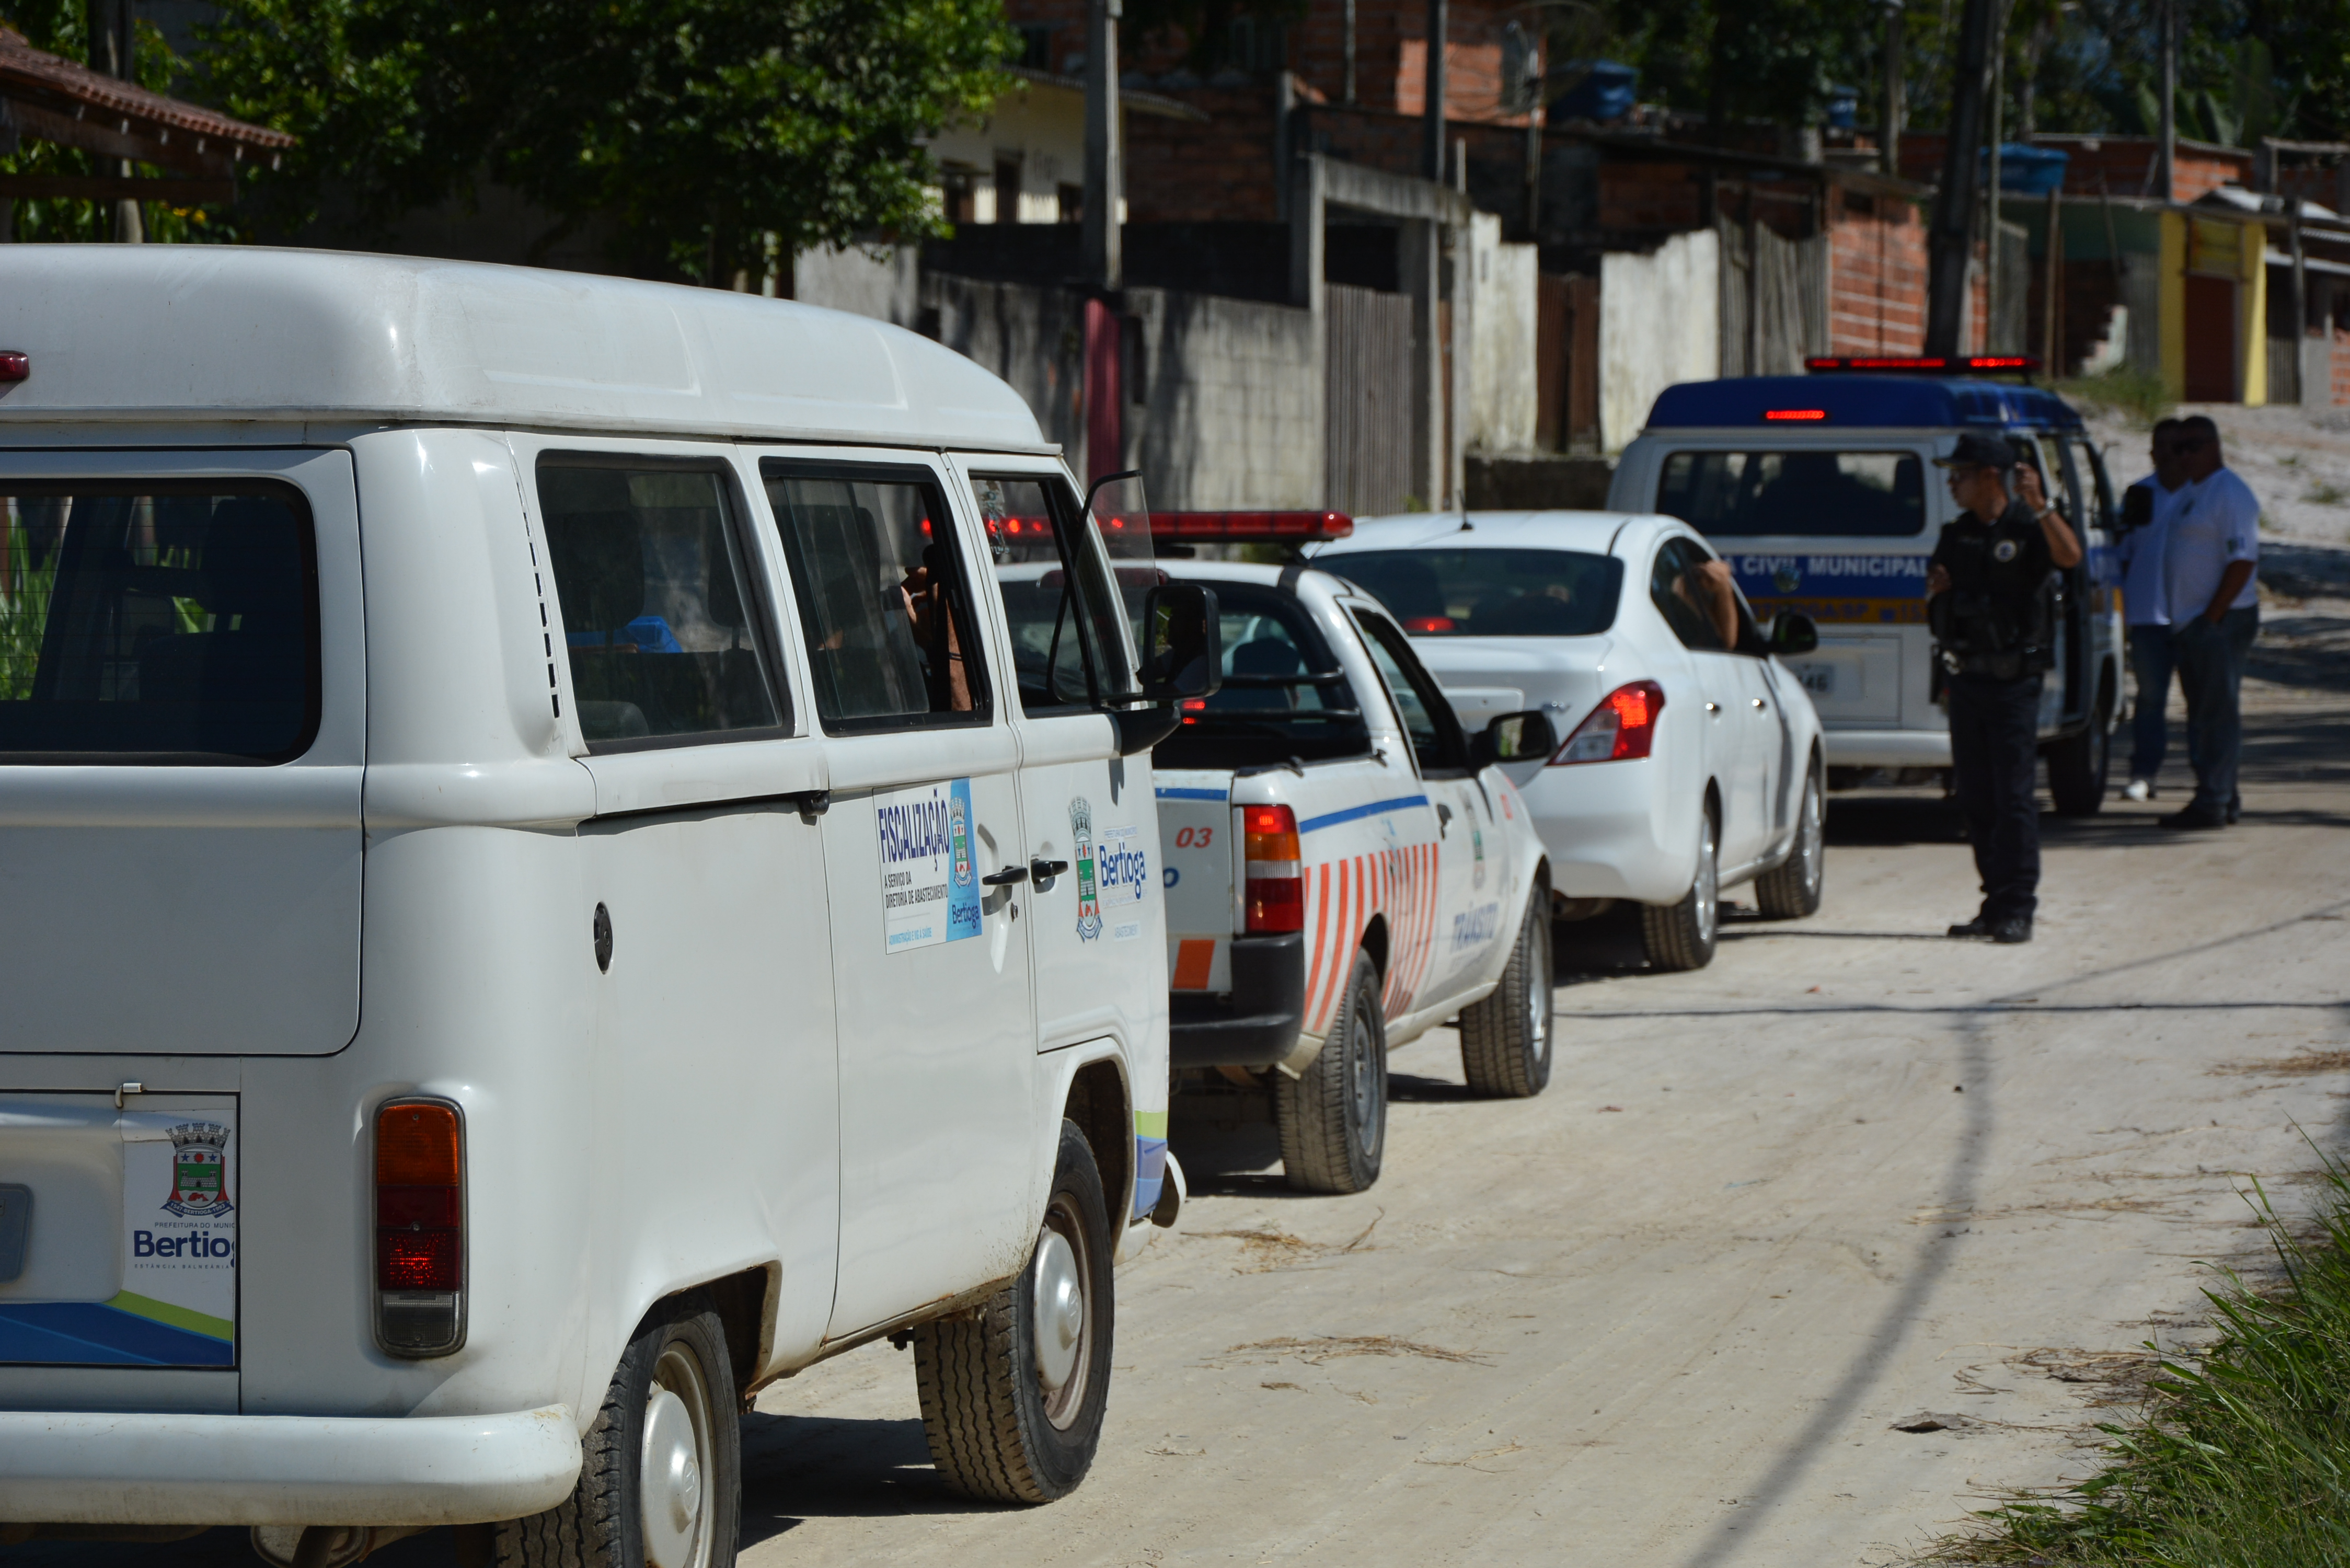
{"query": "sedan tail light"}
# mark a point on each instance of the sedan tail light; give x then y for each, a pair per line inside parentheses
(1623, 725)
(420, 1226)
(1275, 893)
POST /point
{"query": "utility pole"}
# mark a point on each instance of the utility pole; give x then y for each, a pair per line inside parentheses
(1951, 242)
(1105, 160)
(2165, 185)
(1435, 148)
(1890, 136)
(1993, 186)
(111, 44)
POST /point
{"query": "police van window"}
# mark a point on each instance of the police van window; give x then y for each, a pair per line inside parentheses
(1284, 696)
(1490, 593)
(883, 598)
(1681, 596)
(1426, 716)
(157, 624)
(650, 574)
(1813, 495)
(1060, 599)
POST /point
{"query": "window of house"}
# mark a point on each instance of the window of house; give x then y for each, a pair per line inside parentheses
(657, 616)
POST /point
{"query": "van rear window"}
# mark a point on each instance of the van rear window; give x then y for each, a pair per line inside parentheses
(1802, 495)
(157, 624)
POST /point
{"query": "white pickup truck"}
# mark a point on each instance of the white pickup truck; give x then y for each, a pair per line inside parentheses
(1344, 870)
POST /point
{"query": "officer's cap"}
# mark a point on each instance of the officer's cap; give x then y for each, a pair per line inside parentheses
(1978, 450)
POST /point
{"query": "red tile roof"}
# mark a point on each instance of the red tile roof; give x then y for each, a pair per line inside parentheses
(69, 102)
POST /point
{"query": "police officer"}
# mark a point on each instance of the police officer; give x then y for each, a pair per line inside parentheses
(1992, 604)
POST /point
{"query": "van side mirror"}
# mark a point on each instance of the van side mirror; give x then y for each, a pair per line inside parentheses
(1183, 653)
(1515, 738)
(1793, 632)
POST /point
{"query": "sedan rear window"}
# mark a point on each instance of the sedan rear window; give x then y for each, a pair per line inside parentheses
(157, 624)
(1489, 593)
(1802, 495)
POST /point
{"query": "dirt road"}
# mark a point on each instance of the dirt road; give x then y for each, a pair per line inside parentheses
(1685, 1308)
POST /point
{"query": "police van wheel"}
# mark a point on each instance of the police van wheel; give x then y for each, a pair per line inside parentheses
(1681, 936)
(2076, 769)
(1791, 889)
(1333, 1116)
(1505, 1039)
(1012, 1394)
(660, 1472)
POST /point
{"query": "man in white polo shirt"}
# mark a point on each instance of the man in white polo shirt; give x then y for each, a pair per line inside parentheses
(2147, 609)
(2210, 554)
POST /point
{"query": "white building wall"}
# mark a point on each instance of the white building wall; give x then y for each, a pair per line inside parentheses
(1503, 394)
(1660, 323)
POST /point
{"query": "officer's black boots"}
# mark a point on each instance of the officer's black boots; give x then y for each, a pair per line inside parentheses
(1978, 927)
(2012, 930)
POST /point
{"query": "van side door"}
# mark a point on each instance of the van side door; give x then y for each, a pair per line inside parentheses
(928, 868)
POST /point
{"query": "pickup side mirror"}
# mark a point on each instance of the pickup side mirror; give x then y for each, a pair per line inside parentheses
(1183, 653)
(1515, 738)
(1793, 632)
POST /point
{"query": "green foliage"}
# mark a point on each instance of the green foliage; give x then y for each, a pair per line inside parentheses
(695, 136)
(2140, 395)
(2243, 1458)
(24, 613)
(61, 27)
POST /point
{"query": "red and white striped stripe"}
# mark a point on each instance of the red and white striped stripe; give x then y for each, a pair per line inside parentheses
(1347, 894)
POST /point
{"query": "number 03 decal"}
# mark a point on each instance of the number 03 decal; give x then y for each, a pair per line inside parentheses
(1194, 838)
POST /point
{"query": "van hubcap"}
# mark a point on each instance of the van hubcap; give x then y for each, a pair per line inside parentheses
(673, 1496)
(1060, 1314)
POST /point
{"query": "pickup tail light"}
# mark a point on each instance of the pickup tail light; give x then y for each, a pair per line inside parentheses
(1624, 725)
(420, 1226)
(1273, 895)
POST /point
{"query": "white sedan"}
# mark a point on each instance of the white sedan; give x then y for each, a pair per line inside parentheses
(1692, 759)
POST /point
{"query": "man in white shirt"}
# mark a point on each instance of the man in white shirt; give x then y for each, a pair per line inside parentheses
(2209, 555)
(2148, 611)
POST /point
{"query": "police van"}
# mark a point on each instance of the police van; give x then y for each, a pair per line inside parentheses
(547, 890)
(1819, 491)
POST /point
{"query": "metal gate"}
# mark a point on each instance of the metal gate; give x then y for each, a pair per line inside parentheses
(1367, 461)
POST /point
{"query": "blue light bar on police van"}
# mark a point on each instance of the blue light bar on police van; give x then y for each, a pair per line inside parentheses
(1248, 527)
(1925, 364)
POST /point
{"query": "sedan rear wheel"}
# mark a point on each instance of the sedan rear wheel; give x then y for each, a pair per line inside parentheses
(1681, 936)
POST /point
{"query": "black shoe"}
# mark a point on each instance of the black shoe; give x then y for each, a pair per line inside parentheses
(1978, 927)
(2014, 929)
(2235, 810)
(2195, 817)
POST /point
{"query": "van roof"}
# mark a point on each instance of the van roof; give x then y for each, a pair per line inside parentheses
(174, 334)
(1866, 402)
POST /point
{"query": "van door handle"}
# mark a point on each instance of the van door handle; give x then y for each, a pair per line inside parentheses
(1046, 870)
(1005, 877)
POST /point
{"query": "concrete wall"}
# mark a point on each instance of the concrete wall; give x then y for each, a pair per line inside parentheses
(1232, 403)
(1503, 394)
(1659, 324)
(884, 284)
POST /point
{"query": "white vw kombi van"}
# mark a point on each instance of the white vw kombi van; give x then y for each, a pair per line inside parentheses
(544, 884)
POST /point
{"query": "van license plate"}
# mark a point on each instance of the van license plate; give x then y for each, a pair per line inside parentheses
(1818, 679)
(15, 1225)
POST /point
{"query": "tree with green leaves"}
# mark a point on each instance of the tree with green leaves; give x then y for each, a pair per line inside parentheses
(61, 27)
(696, 138)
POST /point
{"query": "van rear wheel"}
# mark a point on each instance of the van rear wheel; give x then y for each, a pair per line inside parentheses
(1013, 1394)
(2077, 766)
(660, 1471)
(1333, 1116)
(1505, 1039)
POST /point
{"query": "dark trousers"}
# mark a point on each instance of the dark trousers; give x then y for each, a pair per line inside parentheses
(2210, 674)
(1995, 761)
(2152, 664)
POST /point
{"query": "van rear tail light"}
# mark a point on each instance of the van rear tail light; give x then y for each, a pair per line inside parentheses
(420, 1226)
(1275, 893)
(1624, 725)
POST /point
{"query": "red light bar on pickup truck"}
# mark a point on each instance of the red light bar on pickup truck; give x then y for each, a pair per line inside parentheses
(1927, 364)
(1248, 527)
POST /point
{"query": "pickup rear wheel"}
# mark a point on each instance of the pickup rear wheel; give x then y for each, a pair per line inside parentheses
(1681, 936)
(660, 1472)
(1505, 1039)
(1333, 1116)
(1012, 1394)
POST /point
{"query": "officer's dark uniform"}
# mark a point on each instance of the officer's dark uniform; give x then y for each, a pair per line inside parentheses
(1994, 633)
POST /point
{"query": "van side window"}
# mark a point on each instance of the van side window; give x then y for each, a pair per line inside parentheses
(650, 574)
(159, 624)
(884, 600)
(1427, 717)
(1068, 650)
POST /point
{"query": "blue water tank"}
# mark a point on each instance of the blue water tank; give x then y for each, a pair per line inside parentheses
(1843, 108)
(1603, 90)
(2035, 171)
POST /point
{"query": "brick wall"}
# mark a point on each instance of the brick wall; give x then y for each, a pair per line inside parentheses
(1877, 276)
(1182, 172)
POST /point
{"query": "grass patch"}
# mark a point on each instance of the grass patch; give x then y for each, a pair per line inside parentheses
(2326, 494)
(2135, 394)
(2239, 1461)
